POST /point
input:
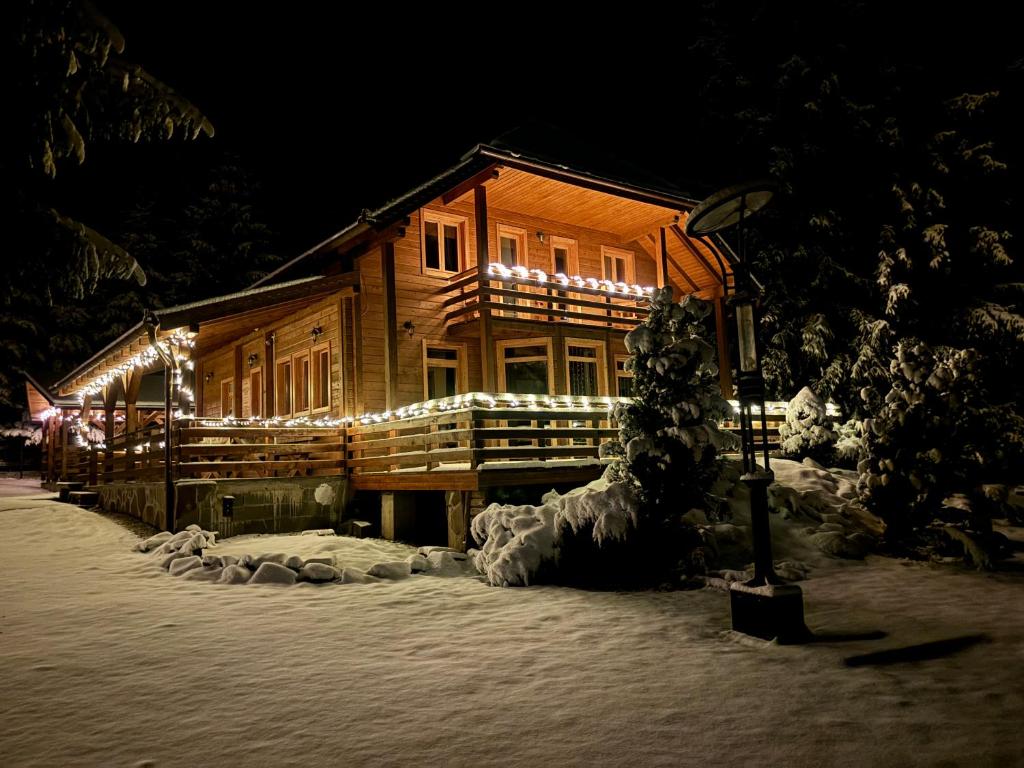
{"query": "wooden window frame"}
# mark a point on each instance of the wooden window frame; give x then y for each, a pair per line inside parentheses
(504, 344)
(283, 408)
(260, 393)
(519, 235)
(624, 374)
(230, 410)
(442, 218)
(601, 359)
(297, 358)
(459, 364)
(617, 252)
(314, 377)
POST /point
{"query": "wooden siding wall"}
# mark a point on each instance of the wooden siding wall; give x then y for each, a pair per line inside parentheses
(417, 300)
(291, 335)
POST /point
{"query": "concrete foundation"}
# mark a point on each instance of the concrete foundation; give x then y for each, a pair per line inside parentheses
(266, 505)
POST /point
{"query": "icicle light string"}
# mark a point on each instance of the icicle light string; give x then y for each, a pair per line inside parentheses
(172, 345)
(540, 277)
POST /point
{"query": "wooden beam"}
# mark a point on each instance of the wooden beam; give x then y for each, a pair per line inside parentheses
(488, 363)
(676, 264)
(390, 327)
(488, 173)
(269, 372)
(716, 275)
(722, 334)
(662, 263)
(236, 405)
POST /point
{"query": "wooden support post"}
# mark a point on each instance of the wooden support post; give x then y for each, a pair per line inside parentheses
(110, 393)
(269, 372)
(662, 261)
(724, 364)
(488, 363)
(390, 327)
(236, 406)
(559, 362)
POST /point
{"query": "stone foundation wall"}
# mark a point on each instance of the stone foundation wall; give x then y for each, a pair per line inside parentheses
(271, 505)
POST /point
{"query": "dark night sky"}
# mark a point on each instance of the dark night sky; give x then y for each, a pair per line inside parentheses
(342, 110)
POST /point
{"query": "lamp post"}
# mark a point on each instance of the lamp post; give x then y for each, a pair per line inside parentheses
(763, 606)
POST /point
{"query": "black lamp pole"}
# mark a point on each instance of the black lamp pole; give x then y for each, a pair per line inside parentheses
(763, 606)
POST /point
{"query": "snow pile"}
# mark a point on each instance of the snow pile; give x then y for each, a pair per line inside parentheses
(520, 544)
(517, 543)
(181, 554)
(816, 516)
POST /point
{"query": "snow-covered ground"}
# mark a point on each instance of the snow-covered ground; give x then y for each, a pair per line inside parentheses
(106, 660)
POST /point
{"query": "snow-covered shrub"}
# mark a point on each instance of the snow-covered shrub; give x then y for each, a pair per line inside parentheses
(935, 435)
(849, 448)
(808, 431)
(581, 537)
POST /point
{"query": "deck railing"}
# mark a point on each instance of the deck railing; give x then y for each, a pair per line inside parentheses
(472, 438)
(535, 296)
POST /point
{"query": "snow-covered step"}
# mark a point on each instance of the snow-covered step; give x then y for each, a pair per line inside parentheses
(67, 486)
(84, 498)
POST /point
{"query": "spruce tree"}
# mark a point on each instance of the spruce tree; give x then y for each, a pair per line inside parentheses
(669, 439)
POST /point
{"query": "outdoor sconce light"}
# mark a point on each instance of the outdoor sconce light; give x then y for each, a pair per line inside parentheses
(271, 339)
(208, 377)
(540, 235)
(410, 327)
(316, 333)
(746, 336)
(253, 359)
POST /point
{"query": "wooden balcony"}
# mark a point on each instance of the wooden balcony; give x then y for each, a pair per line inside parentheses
(532, 295)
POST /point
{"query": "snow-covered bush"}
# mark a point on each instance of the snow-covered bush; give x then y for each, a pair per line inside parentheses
(935, 435)
(808, 431)
(849, 448)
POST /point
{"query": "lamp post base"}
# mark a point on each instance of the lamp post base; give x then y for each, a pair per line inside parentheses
(769, 611)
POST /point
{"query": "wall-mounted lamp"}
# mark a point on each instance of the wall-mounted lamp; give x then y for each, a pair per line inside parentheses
(271, 339)
(316, 333)
(253, 359)
(540, 235)
(208, 377)
(410, 327)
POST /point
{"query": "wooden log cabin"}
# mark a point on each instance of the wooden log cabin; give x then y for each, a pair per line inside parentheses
(462, 343)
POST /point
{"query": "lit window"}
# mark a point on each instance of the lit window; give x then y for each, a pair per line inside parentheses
(623, 377)
(584, 367)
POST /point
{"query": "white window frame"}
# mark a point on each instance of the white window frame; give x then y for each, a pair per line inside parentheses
(601, 359)
(504, 344)
(459, 364)
(314, 378)
(619, 253)
(442, 219)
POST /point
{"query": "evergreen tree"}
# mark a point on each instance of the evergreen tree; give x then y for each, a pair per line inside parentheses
(66, 87)
(669, 440)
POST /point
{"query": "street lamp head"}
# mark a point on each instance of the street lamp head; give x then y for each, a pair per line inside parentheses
(728, 207)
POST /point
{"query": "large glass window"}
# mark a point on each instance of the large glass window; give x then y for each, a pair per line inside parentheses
(525, 366)
(443, 243)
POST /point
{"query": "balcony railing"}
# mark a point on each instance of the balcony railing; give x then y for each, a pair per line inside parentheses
(519, 293)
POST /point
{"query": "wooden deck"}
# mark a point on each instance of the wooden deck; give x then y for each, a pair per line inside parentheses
(462, 449)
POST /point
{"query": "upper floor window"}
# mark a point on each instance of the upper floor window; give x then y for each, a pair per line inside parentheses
(444, 237)
(617, 265)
